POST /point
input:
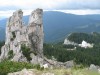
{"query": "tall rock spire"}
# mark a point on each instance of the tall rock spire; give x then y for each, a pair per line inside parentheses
(36, 16)
(14, 24)
(35, 32)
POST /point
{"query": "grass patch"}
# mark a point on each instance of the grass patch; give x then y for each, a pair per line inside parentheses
(9, 67)
(84, 71)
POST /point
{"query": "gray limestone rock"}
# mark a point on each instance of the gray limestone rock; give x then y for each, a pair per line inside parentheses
(35, 32)
(93, 67)
(17, 34)
(36, 16)
(19, 58)
(4, 52)
(69, 64)
(56, 64)
(36, 59)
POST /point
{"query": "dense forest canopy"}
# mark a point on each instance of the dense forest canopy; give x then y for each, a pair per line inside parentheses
(94, 37)
(85, 56)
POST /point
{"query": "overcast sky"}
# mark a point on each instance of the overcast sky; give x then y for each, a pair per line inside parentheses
(79, 7)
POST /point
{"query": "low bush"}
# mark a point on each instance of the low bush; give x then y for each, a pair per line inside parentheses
(9, 66)
(14, 35)
(26, 52)
(10, 53)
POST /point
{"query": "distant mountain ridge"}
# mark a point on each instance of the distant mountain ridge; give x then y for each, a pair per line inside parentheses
(57, 25)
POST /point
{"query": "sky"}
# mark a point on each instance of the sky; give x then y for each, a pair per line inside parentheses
(79, 7)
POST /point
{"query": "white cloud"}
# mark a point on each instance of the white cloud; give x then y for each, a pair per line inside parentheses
(8, 13)
(80, 7)
(80, 12)
(5, 14)
(29, 4)
(50, 4)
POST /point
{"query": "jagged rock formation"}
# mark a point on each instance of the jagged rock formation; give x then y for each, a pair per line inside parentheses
(19, 37)
(24, 43)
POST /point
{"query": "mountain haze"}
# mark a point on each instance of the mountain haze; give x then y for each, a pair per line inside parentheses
(57, 25)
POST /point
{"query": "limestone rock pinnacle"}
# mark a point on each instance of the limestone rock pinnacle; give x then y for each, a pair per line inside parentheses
(35, 31)
(17, 35)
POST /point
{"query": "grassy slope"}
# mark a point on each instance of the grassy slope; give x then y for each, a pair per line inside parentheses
(65, 72)
(8, 66)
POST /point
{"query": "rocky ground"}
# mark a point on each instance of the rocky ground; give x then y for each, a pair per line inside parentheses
(84, 71)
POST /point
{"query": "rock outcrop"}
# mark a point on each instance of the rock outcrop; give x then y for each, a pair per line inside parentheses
(68, 42)
(84, 44)
(94, 67)
(20, 37)
(56, 64)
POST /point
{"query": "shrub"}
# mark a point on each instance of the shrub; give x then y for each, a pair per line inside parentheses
(12, 39)
(38, 67)
(10, 53)
(9, 66)
(26, 52)
(14, 35)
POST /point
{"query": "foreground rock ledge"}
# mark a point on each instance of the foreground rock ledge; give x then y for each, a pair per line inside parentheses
(29, 72)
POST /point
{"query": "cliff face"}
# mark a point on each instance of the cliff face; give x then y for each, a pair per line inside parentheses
(18, 36)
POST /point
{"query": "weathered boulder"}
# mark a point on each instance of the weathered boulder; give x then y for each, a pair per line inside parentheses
(93, 67)
(69, 64)
(56, 64)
